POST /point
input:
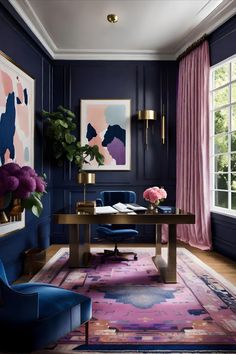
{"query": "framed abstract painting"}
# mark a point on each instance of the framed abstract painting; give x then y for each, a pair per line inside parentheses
(16, 123)
(17, 114)
(107, 124)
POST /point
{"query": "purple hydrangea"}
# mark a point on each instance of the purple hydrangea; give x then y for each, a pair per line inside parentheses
(11, 183)
(40, 184)
(27, 183)
(11, 168)
(22, 193)
(22, 182)
(30, 171)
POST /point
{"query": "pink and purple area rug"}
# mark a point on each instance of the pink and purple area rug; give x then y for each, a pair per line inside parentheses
(131, 304)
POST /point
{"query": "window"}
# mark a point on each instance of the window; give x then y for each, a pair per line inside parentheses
(223, 136)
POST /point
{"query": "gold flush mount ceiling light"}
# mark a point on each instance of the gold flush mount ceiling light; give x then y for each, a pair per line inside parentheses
(112, 18)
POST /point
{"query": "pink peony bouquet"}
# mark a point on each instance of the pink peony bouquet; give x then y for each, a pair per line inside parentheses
(22, 183)
(155, 195)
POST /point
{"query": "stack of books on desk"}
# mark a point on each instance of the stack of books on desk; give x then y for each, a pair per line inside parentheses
(166, 209)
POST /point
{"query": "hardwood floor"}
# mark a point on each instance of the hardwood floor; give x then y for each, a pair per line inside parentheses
(222, 265)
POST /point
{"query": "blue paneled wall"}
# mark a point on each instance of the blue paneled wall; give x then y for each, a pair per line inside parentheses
(149, 85)
(17, 44)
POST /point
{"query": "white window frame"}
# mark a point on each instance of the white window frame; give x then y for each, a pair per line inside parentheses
(214, 208)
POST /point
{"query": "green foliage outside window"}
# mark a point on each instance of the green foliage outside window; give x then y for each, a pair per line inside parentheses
(224, 135)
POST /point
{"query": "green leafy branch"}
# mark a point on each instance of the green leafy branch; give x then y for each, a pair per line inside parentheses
(61, 129)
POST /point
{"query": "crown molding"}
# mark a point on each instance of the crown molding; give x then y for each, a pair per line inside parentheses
(215, 19)
(27, 13)
(110, 55)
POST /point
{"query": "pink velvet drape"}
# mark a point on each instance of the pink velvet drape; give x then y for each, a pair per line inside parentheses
(192, 155)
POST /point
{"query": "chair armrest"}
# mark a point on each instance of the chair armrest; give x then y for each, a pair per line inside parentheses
(99, 202)
(17, 307)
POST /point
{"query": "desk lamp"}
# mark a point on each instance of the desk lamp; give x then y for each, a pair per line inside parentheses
(86, 206)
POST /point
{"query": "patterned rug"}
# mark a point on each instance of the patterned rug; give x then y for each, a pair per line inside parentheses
(131, 305)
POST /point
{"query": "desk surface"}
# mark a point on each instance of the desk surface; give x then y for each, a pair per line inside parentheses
(180, 217)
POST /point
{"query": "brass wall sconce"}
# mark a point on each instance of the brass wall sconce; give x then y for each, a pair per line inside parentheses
(146, 115)
(86, 178)
(112, 18)
(163, 126)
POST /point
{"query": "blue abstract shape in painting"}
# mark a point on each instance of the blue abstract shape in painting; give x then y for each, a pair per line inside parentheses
(113, 131)
(116, 115)
(7, 128)
(18, 101)
(91, 132)
(114, 140)
(26, 98)
(26, 154)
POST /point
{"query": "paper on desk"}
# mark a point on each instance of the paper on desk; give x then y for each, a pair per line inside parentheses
(105, 210)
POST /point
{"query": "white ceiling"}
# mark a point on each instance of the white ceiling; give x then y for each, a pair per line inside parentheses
(147, 29)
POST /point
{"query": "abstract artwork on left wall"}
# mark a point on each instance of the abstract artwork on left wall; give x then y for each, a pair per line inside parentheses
(16, 122)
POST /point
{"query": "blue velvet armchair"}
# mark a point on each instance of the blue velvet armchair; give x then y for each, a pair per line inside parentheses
(34, 315)
(117, 233)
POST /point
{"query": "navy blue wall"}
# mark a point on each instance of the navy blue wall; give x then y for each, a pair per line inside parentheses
(148, 85)
(16, 43)
(223, 45)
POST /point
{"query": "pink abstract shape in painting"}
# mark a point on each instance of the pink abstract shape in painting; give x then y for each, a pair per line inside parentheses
(22, 116)
(20, 92)
(96, 117)
(6, 83)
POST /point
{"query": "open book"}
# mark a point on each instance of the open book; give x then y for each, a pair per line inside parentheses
(122, 208)
(127, 208)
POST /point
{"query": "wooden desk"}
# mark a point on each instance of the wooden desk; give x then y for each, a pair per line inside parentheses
(79, 244)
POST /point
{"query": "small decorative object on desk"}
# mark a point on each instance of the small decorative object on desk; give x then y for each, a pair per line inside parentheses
(154, 195)
(20, 188)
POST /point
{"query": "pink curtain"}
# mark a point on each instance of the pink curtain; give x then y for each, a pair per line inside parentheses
(192, 156)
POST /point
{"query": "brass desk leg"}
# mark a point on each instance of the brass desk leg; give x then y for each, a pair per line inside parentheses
(79, 245)
(170, 276)
(168, 269)
(158, 239)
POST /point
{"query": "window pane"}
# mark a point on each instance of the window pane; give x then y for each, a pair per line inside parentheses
(221, 163)
(221, 181)
(233, 141)
(233, 115)
(233, 162)
(221, 144)
(221, 199)
(233, 77)
(221, 76)
(221, 120)
(233, 181)
(221, 97)
(233, 201)
(233, 92)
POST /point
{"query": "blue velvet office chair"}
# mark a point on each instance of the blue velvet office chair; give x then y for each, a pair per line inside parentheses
(34, 315)
(117, 233)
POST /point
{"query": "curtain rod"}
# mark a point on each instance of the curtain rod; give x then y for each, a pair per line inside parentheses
(192, 46)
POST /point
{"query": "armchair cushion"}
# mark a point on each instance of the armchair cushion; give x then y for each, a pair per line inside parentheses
(32, 315)
(54, 300)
